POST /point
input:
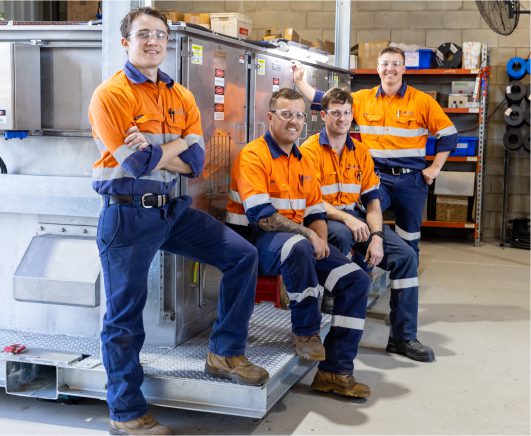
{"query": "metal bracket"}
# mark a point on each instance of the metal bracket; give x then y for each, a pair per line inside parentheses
(252, 66)
(66, 229)
(186, 53)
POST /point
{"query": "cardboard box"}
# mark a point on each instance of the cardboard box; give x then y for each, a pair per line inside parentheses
(329, 47)
(232, 24)
(305, 42)
(433, 94)
(471, 55)
(291, 35)
(173, 16)
(271, 37)
(451, 208)
(81, 11)
(197, 18)
(368, 53)
(459, 183)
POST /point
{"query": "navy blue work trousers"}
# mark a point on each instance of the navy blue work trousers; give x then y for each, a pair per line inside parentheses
(293, 257)
(400, 259)
(406, 194)
(128, 239)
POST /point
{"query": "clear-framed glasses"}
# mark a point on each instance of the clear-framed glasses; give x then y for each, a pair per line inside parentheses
(385, 64)
(146, 35)
(336, 113)
(288, 115)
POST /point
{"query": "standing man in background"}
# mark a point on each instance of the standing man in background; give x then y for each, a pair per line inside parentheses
(394, 121)
(350, 189)
(275, 200)
(148, 131)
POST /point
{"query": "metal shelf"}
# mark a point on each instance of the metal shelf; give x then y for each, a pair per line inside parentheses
(449, 224)
(456, 158)
(424, 72)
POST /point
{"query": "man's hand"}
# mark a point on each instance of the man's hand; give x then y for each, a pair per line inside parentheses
(375, 252)
(430, 174)
(135, 139)
(360, 230)
(298, 71)
(320, 247)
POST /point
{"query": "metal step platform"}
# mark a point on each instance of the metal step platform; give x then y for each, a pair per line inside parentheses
(56, 365)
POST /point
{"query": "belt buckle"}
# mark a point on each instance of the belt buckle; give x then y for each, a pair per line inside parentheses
(143, 199)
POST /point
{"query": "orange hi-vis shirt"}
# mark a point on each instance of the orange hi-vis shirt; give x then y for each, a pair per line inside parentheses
(395, 128)
(162, 111)
(265, 180)
(344, 179)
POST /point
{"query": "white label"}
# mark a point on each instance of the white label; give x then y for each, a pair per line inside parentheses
(219, 81)
(276, 88)
(219, 98)
(261, 67)
(412, 58)
(219, 116)
(314, 117)
(197, 54)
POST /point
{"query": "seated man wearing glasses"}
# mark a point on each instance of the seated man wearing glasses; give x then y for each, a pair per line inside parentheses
(275, 200)
(148, 131)
(345, 171)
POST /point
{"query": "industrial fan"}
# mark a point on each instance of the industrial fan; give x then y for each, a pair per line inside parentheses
(501, 16)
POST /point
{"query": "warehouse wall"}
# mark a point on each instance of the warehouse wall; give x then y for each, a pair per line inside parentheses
(428, 23)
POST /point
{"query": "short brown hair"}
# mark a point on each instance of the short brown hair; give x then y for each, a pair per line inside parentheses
(127, 21)
(335, 95)
(287, 93)
(395, 50)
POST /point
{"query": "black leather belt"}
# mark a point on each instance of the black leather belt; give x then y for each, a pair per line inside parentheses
(396, 171)
(147, 200)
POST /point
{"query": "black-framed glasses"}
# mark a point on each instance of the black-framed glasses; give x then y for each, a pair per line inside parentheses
(146, 35)
(336, 113)
(288, 115)
(385, 64)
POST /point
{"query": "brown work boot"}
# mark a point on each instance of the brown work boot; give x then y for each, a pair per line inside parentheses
(341, 384)
(144, 425)
(309, 347)
(237, 368)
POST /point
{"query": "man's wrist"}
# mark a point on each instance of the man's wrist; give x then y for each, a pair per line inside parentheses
(379, 233)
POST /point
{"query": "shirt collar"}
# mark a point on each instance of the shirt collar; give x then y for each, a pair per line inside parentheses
(401, 91)
(275, 149)
(135, 76)
(323, 139)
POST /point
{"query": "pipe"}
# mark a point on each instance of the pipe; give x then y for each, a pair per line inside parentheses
(342, 36)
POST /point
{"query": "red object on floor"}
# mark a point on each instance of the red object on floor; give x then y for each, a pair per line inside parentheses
(15, 348)
(268, 289)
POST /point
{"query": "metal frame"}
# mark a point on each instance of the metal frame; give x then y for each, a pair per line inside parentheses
(482, 140)
(55, 365)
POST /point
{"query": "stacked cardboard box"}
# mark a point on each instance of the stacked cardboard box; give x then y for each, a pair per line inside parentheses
(81, 11)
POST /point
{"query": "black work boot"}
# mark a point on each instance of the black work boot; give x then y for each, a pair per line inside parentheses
(410, 348)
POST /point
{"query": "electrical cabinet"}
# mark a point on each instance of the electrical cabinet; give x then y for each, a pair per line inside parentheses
(20, 87)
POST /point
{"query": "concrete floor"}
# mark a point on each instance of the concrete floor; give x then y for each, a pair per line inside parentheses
(474, 312)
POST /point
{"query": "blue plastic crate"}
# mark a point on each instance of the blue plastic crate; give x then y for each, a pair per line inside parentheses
(466, 146)
(430, 146)
(424, 59)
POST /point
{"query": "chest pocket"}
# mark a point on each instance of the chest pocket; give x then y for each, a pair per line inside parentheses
(149, 122)
(406, 119)
(304, 185)
(373, 118)
(176, 120)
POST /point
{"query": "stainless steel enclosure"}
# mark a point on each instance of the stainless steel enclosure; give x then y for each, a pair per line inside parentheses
(50, 281)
